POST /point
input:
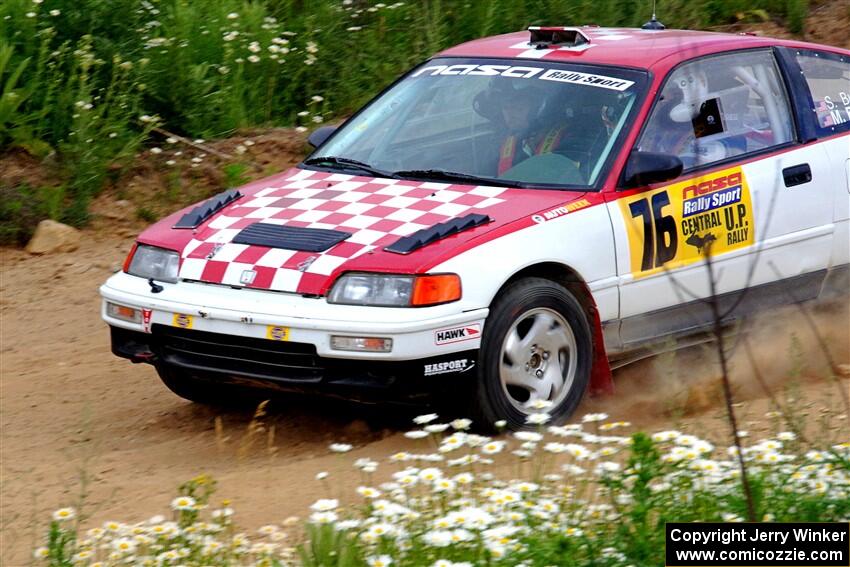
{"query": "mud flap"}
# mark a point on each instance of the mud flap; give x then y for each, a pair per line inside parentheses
(601, 378)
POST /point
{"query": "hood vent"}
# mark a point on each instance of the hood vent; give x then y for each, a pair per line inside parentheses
(202, 212)
(290, 237)
(426, 236)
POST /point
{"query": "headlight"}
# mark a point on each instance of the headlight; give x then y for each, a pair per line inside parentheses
(150, 262)
(389, 290)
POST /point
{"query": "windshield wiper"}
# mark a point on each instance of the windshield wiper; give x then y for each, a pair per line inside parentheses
(347, 163)
(442, 175)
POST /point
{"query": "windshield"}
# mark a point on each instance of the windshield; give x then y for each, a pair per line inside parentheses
(525, 123)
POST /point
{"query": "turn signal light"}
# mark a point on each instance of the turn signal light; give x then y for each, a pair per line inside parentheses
(431, 290)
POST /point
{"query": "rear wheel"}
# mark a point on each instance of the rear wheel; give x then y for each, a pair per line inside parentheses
(536, 348)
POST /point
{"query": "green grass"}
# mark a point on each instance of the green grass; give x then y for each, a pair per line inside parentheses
(87, 79)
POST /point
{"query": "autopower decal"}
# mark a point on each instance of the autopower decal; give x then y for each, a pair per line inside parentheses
(560, 211)
(678, 224)
(528, 72)
(448, 367)
(457, 334)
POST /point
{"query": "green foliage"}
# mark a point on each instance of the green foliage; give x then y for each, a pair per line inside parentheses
(796, 15)
(89, 78)
(22, 207)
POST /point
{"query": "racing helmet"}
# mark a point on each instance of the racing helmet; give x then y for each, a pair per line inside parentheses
(502, 92)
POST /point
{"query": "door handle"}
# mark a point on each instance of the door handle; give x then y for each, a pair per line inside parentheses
(797, 175)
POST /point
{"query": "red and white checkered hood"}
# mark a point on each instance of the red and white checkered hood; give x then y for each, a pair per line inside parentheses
(376, 211)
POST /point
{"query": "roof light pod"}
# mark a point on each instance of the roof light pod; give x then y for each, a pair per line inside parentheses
(543, 37)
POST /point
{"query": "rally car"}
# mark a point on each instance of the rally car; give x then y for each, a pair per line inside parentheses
(506, 219)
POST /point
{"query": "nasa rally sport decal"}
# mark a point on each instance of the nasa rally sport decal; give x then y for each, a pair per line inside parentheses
(677, 225)
(457, 334)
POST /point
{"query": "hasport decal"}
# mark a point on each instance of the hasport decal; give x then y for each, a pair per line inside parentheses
(448, 367)
(560, 211)
(457, 334)
(681, 223)
(527, 72)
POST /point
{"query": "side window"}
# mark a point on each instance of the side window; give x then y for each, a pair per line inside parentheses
(719, 107)
(828, 78)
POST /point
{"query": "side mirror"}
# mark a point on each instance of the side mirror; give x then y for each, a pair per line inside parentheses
(319, 135)
(645, 168)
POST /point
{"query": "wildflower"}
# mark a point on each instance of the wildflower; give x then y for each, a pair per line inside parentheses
(146, 118)
(156, 150)
(325, 505)
(577, 451)
(232, 16)
(63, 514)
(183, 503)
(438, 538)
(124, 545)
(354, 28)
(41, 553)
(528, 436)
(300, 129)
(593, 417)
(340, 447)
(786, 436)
(416, 434)
(254, 47)
(253, 59)
(323, 517)
(458, 424)
(321, 475)
(500, 424)
(434, 427)
(539, 404)
(368, 492)
(54, 12)
(537, 418)
(425, 418)
(31, 14)
(493, 447)
(170, 162)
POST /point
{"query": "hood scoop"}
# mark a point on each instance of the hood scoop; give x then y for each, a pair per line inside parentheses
(426, 236)
(290, 237)
(195, 217)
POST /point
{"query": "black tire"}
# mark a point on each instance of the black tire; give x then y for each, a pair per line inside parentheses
(199, 390)
(526, 300)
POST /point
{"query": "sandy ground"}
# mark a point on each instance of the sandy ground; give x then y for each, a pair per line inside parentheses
(79, 422)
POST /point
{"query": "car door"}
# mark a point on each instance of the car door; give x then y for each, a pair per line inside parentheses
(824, 78)
(750, 195)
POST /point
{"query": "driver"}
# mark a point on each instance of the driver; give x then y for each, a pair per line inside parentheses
(526, 135)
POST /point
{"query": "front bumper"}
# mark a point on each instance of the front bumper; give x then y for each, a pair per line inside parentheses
(252, 313)
(288, 366)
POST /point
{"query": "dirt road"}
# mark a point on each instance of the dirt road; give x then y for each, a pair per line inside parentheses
(78, 421)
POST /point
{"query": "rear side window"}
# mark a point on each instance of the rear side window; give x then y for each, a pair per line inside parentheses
(720, 107)
(828, 78)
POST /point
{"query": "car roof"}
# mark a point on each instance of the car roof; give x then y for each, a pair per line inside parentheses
(625, 47)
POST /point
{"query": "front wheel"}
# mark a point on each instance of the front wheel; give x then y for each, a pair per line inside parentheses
(536, 348)
(198, 390)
